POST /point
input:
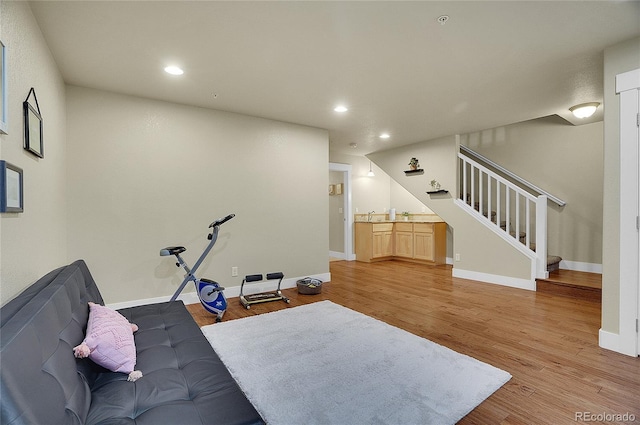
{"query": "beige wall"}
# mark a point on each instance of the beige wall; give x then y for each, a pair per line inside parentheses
(566, 161)
(32, 243)
(617, 59)
(145, 174)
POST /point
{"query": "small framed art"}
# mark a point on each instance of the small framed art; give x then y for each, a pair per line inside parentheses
(11, 188)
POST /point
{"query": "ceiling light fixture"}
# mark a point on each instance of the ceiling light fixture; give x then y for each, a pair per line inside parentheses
(173, 70)
(384, 136)
(584, 110)
(370, 173)
(341, 108)
(443, 19)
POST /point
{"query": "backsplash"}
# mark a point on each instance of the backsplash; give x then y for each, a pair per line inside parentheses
(418, 217)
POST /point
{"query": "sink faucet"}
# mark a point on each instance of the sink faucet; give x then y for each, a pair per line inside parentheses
(369, 215)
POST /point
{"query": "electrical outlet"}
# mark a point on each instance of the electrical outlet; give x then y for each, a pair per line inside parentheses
(356, 209)
(234, 271)
(457, 257)
(340, 210)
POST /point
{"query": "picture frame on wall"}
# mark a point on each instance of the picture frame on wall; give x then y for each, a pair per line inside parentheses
(4, 112)
(11, 188)
(33, 140)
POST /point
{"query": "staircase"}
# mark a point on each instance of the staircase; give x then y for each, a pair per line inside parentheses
(553, 261)
(509, 205)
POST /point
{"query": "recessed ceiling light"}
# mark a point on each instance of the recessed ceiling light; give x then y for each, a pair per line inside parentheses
(442, 19)
(341, 108)
(173, 70)
(384, 136)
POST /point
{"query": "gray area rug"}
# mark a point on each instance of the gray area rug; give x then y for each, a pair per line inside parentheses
(322, 363)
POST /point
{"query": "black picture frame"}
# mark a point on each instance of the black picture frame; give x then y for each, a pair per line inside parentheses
(11, 188)
(33, 141)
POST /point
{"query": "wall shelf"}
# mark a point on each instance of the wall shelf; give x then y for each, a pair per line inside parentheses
(414, 172)
(434, 192)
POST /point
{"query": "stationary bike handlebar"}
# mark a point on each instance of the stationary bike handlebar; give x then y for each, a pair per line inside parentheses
(221, 221)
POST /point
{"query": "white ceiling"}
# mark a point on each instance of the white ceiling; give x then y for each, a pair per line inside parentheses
(395, 67)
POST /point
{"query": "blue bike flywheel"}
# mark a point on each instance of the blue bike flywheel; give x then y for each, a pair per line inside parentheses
(212, 300)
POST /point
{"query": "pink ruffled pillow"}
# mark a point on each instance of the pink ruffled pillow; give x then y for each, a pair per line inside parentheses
(109, 341)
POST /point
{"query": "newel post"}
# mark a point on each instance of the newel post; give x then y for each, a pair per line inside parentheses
(541, 237)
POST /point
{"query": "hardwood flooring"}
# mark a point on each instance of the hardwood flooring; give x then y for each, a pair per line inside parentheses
(548, 343)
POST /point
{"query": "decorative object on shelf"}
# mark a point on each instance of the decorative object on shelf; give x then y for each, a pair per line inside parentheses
(405, 215)
(33, 141)
(413, 165)
(434, 185)
(11, 188)
(4, 113)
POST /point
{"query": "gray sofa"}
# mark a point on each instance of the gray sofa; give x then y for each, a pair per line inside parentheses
(184, 381)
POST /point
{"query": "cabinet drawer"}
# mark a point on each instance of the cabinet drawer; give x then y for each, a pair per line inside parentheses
(404, 227)
(383, 227)
(423, 227)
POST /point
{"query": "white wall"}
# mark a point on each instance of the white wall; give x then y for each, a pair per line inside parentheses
(145, 174)
(33, 242)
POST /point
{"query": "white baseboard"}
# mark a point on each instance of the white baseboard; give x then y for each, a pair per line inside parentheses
(336, 254)
(581, 267)
(342, 255)
(615, 342)
(230, 292)
(513, 282)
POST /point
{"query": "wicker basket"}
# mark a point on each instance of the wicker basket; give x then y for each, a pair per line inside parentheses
(309, 286)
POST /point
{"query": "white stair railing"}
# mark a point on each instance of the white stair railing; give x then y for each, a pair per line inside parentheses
(517, 215)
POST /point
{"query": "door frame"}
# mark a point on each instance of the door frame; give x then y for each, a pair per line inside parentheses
(348, 214)
(628, 88)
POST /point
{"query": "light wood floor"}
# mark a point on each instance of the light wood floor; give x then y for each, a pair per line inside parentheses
(548, 343)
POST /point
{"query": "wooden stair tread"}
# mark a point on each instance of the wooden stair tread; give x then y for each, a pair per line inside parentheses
(569, 283)
(575, 278)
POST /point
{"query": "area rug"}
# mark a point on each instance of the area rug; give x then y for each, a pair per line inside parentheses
(322, 363)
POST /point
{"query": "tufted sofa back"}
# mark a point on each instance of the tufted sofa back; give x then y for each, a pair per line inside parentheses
(40, 381)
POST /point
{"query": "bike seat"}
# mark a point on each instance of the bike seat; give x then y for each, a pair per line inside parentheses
(172, 250)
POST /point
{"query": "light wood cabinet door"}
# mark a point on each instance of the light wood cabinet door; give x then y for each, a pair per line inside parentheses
(423, 246)
(382, 244)
(404, 244)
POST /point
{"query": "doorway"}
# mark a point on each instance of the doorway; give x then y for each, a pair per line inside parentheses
(340, 214)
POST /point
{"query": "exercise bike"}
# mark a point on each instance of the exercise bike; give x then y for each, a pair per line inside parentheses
(210, 292)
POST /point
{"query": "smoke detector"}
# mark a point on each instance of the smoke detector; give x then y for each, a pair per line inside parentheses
(443, 19)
